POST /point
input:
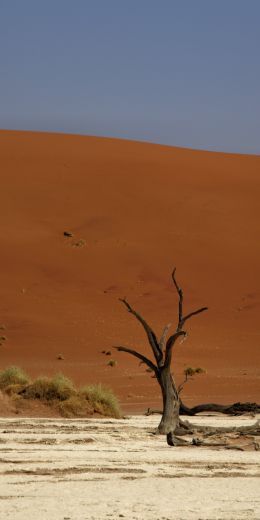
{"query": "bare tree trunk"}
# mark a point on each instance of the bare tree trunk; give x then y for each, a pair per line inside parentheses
(171, 405)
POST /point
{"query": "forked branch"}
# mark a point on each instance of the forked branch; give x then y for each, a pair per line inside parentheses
(182, 319)
(162, 349)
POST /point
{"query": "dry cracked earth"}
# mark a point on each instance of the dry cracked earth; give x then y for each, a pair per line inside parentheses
(101, 469)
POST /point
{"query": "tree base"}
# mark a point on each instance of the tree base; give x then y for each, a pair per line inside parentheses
(173, 440)
(243, 438)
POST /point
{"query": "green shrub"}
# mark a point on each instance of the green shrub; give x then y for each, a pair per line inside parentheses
(58, 388)
(102, 399)
(13, 376)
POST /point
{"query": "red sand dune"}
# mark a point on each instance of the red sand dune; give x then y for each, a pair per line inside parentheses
(135, 211)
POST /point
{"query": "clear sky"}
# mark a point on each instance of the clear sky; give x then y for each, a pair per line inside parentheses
(178, 72)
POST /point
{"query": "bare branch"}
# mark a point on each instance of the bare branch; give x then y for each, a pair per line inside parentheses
(180, 293)
(164, 336)
(150, 333)
(175, 281)
(169, 345)
(144, 359)
(188, 316)
(183, 319)
(181, 385)
(180, 388)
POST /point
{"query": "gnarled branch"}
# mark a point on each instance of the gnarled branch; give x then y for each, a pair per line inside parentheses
(134, 353)
(149, 331)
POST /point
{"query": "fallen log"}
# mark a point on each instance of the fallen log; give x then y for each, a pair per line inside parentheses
(233, 409)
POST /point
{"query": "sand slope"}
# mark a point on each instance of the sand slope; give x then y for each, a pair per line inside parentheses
(135, 211)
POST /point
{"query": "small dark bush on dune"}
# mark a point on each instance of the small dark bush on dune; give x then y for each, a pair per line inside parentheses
(112, 363)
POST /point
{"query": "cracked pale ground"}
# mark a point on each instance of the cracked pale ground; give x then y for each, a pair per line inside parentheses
(110, 469)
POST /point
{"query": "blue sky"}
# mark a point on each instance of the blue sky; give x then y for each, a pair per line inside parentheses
(184, 73)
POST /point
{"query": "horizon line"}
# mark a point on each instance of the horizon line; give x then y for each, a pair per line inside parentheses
(130, 140)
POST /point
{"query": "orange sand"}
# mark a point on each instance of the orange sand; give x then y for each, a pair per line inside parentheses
(135, 211)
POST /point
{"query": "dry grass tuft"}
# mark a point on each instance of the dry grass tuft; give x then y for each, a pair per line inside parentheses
(59, 388)
(102, 399)
(75, 406)
(13, 376)
(59, 393)
(14, 389)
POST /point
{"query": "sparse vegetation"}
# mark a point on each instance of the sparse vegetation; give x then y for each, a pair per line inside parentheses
(102, 399)
(58, 388)
(189, 372)
(75, 406)
(13, 376)
(15, 389)
(60, 393)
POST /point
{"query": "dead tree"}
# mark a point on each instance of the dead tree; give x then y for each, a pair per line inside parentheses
(161, 366)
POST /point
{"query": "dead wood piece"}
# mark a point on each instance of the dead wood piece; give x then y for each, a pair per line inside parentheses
(253, 429)
(152, 412)
(173, 440)
(233, 409)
